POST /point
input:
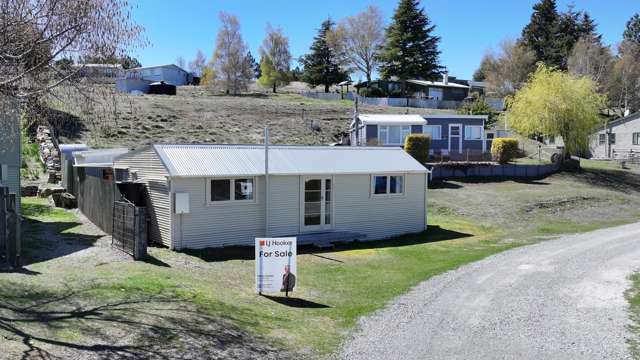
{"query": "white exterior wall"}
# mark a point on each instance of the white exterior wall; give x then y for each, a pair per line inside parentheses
(624, 140)
(153, 174)
(10, 148)
(379, 216)
(240, 223)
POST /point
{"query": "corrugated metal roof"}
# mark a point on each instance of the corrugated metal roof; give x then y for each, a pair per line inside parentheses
(248, 160)
(392, 119)
(437, 84)
(97, 158)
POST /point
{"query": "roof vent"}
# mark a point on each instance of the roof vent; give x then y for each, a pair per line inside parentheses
(445, 77)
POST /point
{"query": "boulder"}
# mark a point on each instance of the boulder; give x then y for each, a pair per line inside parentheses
(50, 190)
(69, 201)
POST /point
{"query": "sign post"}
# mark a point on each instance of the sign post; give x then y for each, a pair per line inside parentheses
(276, 269)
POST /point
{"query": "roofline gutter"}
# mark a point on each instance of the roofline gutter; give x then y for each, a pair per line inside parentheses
(425, 171)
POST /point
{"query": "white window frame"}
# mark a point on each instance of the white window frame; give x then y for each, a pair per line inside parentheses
(405, 130)
(467, 132)
(424, 131)
(388, 190)
(232, 182)
(635, 138)
(4, 173)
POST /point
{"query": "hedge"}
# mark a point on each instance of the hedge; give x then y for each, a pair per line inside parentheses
(504, 150)
(417, 145)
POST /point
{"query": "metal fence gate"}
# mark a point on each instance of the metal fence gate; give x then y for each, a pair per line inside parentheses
(129, 229)
(9, 229)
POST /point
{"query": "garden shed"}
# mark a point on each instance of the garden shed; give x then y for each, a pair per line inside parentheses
(203, 196)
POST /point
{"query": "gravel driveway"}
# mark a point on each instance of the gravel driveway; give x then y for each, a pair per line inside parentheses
(559, 299)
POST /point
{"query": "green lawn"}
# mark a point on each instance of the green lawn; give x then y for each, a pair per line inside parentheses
(468, 221)
(633, 295)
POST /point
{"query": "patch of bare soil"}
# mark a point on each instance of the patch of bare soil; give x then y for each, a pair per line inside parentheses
(555, 205)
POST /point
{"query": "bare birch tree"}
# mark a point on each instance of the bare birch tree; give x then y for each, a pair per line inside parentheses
(506, 71)
(36, 34)
(198, 64)
(181, 62)
(362, 36)
(591, 59)
(232, 71)
(624, 83)
(276, 59)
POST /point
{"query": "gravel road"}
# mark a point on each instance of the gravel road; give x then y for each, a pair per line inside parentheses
(559, 299)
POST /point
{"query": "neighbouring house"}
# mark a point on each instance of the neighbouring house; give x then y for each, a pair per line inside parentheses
(451, 135)
(95, 185)
(139, 79)
(99, 70)
(618, 139)
(444, 90)
(202, 196)
(10, 161)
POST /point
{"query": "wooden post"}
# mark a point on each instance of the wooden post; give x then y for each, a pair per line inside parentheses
(4, 191)
(12, 234)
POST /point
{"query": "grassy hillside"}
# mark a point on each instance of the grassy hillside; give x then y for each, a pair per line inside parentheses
(196, 115)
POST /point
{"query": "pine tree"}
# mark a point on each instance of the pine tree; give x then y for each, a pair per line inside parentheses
(321, 65)
(410, 49)
(540, 34)
(253, 64)
(632, 30)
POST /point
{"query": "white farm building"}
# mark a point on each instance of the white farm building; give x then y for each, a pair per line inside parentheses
(203, 196)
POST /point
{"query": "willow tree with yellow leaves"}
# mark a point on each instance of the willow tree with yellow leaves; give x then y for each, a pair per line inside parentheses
(555, 103)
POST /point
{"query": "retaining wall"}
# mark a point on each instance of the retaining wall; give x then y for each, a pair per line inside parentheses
(460, 171)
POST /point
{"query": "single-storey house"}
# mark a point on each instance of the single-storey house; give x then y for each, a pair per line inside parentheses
(99, 70)
(139, 79)
(451, 135)
(203, 196)
(618, 139)
(10, 148)
(444, 90)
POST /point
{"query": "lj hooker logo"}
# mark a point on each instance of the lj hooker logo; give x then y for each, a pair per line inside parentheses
(263, 243)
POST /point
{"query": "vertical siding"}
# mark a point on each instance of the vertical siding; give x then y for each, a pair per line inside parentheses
(153, 174)
(379, 217)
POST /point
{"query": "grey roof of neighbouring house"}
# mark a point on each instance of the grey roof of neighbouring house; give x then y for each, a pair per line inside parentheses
(97, 158)
(622, 120)
(248, 160)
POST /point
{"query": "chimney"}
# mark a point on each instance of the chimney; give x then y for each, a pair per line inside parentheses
(445, 77)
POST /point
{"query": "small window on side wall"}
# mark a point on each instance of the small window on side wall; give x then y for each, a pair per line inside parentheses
(388, 185)
(602, 138)
(636, 138)
(220, 190)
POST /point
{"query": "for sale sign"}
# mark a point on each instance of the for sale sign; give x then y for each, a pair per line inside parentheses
(276, 264)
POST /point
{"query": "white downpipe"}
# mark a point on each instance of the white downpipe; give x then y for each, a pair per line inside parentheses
(267, 188)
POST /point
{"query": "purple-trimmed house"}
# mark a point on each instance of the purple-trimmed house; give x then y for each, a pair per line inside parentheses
(451, 135)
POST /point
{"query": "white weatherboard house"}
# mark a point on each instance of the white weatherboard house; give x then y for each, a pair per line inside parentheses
(214, 195)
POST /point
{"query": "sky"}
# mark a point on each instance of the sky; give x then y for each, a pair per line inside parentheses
(468, 28)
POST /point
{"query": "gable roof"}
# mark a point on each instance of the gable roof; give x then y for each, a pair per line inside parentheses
(156, 66)
(248, 160)
(392, 119)
(98, 157)
(622, 120)
(437, 84)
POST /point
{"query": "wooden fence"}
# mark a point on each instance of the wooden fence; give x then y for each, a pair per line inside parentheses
(9, 229)
(460, 171)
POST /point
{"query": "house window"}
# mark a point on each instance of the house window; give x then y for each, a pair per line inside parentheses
(612, 139)
(473, 132)
(636, 138)
(231, 190)
(490, 136)
(393, 135)
(220, 190)
(602, 138)
(122, 175)
(107, 174)
(434, 131)
(3, 173)
(388, 185)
